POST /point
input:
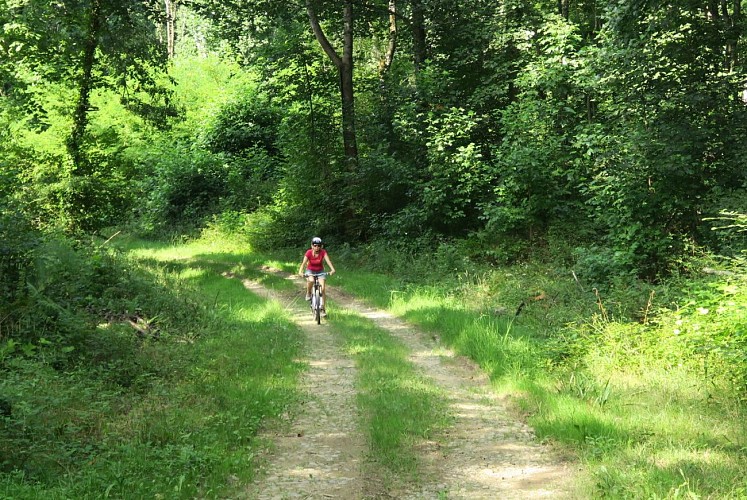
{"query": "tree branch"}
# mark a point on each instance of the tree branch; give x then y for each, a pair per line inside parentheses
(321, 37)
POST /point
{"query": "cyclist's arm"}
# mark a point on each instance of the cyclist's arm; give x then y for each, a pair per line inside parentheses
(329, 263)
(304, 263)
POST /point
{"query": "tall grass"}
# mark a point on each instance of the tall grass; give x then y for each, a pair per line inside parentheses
(180, 418)
(646, 384)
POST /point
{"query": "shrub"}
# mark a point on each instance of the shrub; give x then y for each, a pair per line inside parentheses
(249, 123)
(18, 244)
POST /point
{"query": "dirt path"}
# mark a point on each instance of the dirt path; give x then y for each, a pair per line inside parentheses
(320, 454)
(485, 454)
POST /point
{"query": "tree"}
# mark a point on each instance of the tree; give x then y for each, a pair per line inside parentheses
(170, 25)
(84, 46)
(344, 65)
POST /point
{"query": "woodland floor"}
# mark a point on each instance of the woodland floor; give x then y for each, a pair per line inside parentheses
(487, 452)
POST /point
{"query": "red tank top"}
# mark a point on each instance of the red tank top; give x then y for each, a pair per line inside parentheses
(316, 264)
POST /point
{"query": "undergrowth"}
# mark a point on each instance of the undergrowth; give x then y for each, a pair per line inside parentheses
(644, 382)
(118, 375)
(139, 376)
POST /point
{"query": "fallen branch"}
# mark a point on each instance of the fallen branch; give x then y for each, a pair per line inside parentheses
(142, 327)
(718, 272)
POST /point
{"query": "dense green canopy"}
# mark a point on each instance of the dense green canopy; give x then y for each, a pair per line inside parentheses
(615, 126)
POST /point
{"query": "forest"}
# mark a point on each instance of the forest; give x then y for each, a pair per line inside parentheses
(426, 140)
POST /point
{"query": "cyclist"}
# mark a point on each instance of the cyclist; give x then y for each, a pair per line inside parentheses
(313, 264)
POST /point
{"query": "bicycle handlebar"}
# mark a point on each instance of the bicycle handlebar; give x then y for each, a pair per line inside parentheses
(323, 273)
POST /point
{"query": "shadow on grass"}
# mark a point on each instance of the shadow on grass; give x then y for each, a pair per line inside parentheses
(499, 344)
(245, 369)
(400, 406)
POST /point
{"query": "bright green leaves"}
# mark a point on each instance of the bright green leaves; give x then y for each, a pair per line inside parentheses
(457, 173)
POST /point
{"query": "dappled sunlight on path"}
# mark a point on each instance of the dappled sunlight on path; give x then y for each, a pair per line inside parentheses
(319, 454)
(486, 453)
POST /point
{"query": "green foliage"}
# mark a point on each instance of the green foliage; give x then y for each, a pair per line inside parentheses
(248, 124)
(191, 185)
(18, 245)
(458, 176)
(516, 119)
(157, 414)
(712, 325)
(672, 162)
(61, 59)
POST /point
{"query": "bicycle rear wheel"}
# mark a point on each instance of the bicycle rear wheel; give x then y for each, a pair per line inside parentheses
(317, 298)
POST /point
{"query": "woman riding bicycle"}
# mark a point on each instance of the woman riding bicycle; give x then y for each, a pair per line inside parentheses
(313, 264)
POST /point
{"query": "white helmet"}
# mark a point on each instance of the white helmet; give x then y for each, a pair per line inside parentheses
(316, 240)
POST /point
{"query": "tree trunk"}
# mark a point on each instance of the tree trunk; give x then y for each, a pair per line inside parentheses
(80, 116)
(170, 26)
(346, 77)
(419, 56)
(732, 44)
(386, 61)
(419, 52)
(384, 64)
(344, 66)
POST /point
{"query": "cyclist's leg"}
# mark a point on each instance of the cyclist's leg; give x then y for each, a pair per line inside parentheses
(323, 284)
(309, 285)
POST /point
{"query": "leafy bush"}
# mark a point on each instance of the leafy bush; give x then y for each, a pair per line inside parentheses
(246, 124)
(188, 187)
(599, 266)
(18, 244)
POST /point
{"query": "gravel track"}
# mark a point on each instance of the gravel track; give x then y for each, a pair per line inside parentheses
(485, 454)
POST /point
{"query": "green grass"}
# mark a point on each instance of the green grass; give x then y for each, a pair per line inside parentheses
(181, 417)
(245, 370)
(650, 413)
(647, 389)
(644, 393)
(400, 407)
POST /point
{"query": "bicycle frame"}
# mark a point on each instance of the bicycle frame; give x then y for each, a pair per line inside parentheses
(316, 298)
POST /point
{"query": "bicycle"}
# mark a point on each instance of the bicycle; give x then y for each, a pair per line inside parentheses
(316, 298)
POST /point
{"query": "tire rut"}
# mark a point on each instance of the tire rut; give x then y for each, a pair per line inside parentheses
(320, 453)
(485, 454)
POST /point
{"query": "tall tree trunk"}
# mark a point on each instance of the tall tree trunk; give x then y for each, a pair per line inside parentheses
(80, 116)
(734, 33)
(346, 83)
(384, 64)
(344, 67)
(170, 6)
(419, 56)
(730, 24)
(419, 51)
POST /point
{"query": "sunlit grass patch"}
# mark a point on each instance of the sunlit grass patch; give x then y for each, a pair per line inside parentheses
(400, 407)
(377, 289)
(651, 396)
(676, 470)
(502, 347)
(171, 410)
(244, 372)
